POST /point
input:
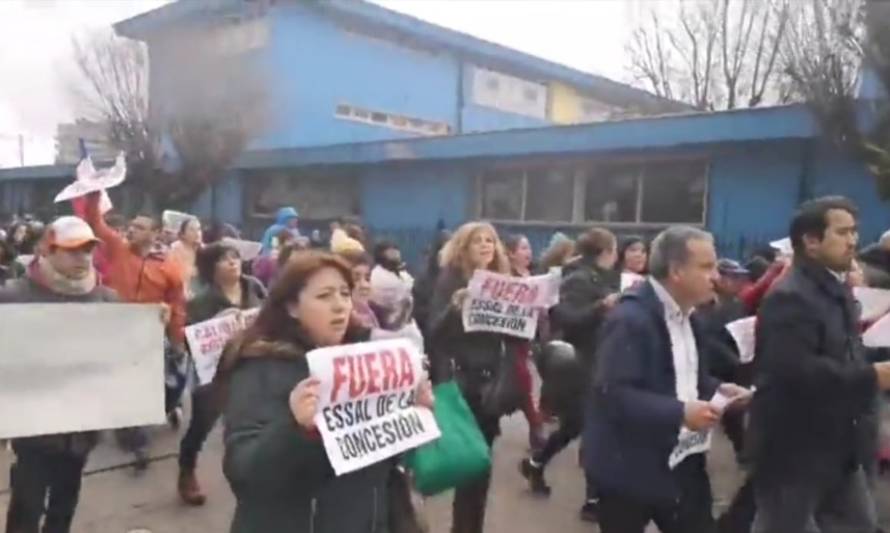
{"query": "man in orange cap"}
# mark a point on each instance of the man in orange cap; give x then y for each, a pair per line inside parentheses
(48, 468)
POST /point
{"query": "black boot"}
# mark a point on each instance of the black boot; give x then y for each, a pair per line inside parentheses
(590, 511)
(535, 477)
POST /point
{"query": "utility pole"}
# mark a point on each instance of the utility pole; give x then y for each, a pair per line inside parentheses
(21, 150)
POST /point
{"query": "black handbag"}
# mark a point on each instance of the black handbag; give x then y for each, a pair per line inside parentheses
(405, 515)
(497, 388)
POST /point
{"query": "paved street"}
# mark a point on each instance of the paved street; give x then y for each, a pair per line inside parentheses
(115, 501)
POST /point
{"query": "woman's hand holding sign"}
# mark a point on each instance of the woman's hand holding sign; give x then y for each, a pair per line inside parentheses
(459, 297)
(304, 402)
(425, 397)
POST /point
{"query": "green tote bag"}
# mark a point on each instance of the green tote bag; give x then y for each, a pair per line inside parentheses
(459, 456)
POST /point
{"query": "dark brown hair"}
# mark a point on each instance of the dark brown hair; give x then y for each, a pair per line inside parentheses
(274, 322)
(209, 256)
(595, 241)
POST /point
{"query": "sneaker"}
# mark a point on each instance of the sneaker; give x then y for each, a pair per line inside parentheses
(535, 477)
(590, 512)
(174, 417)
(189, 489)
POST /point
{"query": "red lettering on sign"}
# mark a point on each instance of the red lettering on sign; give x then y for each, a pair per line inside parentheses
(406, 370)
(390, 374)
(373, 374)
(340, 377)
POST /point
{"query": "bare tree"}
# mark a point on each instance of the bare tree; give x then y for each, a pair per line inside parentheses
(824, 55)
(113, 91)
(208, 109)
(714, 54)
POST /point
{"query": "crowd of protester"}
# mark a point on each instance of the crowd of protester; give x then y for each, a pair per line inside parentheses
(630, 368)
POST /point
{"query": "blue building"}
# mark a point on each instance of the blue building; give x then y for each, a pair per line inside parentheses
(637, 166)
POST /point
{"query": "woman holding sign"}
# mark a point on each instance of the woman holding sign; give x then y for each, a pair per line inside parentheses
(520, 253)
(226, 290)
(475, 360)
(275, 460)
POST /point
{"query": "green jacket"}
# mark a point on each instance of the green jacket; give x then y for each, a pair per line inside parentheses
(279, 473)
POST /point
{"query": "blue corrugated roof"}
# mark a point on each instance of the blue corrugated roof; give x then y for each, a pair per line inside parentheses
(640, 134)
(648, 133)
(423, 32)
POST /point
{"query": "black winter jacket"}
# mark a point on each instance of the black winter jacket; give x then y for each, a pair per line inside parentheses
(280, 474)
(580, 310)
(211, 301)
(814, 412)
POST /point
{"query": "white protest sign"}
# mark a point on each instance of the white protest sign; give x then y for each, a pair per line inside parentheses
(742, 332)
(80, 367)
(24, 260)
(689, 443)
(875, 302)
(207, 339)
(508, 305)
(630, 280)
(248, 250)
(173, 220)
(721, 402)
(89, 180)
(366, 410)
(878, 335)
(783, 246)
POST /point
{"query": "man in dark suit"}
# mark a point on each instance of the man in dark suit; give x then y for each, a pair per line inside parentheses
(649, 419)
(814, 417)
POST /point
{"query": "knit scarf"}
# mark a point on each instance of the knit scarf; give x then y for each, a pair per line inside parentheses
(44, 274)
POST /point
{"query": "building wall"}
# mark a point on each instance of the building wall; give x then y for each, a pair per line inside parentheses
(752, 191)
(478, 118)
(755, 189)
(832, 173)
(316, 65)
(567, 106)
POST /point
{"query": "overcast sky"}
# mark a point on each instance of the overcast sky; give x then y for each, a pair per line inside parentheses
(35, 47)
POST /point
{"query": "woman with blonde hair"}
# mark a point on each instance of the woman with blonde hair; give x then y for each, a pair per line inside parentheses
(477, 361)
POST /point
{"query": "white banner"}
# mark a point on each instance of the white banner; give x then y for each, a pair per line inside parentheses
(742, 332)
(366, 410)
(508, 305)
(173, 220)
(878, 335)
(629, 280)
(248, 250)
(80, 367)
(207, 339)
(875, 303)
(91, 180)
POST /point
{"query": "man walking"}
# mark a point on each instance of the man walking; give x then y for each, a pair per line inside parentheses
(45, 479)
(649, 419)
(814, 418)
(141, 274)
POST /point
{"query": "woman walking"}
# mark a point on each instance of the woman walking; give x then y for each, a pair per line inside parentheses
(226, 290)
(275, 460)
(476, 360)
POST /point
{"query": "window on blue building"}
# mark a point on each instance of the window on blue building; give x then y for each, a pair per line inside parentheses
(651, 192)
(549, 195)
(612, 194)
(502, 195)
(674, 192)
